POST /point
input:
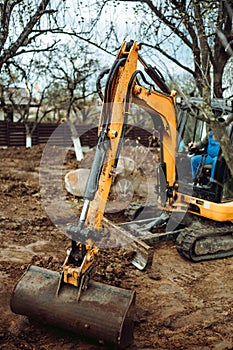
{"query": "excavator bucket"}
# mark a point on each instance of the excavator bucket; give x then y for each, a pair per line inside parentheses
(103, 313)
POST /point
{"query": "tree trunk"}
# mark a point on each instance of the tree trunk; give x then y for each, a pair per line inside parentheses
(219, 130)
(76, 141)
(77, 148)
(219, 63)
(28, 137)
(28, 141)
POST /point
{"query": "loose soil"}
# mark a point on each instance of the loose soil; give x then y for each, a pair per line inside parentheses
(179, 304)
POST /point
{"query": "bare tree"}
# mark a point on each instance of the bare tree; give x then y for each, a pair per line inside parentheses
(203, 31)
(23, 23)
(203, 27)
(72, 72)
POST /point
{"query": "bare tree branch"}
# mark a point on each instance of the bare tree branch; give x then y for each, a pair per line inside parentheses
(34, 19)
(52, 47)
(229, 120)
(88, 40)
(171, 58)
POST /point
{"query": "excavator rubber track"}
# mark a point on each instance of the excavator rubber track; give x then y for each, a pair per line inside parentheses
(205, 244)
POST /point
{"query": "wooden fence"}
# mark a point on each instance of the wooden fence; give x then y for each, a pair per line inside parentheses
(14, 134)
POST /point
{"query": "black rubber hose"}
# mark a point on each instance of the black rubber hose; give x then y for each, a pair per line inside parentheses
(107, 97)
(98, 82)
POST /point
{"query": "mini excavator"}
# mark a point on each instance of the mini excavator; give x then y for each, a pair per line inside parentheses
(71, 299)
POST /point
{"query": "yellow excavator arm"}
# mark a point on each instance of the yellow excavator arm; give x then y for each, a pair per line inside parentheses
(113, 118)
(121, 90)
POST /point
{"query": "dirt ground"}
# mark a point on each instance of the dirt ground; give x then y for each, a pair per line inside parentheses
(179, 304)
